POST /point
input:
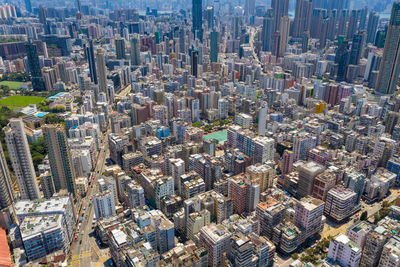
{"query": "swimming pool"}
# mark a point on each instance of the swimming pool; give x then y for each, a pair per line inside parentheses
(41, 114)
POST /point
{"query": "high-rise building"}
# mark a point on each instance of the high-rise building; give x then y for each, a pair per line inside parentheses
(284, 35)
(267, 30)
(363, 18)
(287, 162)
(214, 46)
(135, 51)
(262, 119)
(216, 239)
(302, 18)
(42, 14)
(249, 7)
(340, 203)
(390, 66)
(357, 48)
(120, 48)
(241, 250)
(28, 6)
(7, 195)
(59, 157)
(373, 247)
(280, 9)
(197, 18)
(308, 215)
(344, 251)
(353, 22)
(343, 14)
(34, 67)
(342, 61)
(372, 25)
(92, 64)
(209, 16)
(307, 172)
(182, 43)
(194, 61)
(21, 159)
(101, 72)
(391, 253)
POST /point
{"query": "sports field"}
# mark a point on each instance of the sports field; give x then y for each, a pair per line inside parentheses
(20, 101)
(11, 85)
(221, 136)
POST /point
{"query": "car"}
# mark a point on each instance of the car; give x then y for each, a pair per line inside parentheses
(91, 198)
(76, 237)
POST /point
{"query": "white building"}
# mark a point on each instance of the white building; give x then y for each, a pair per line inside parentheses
(263, 149)
(262, 119)
(344, 252)
(340, 203)
(244, 120)
(21, 159)
(390, 256)
(223, 108)
(104, 204)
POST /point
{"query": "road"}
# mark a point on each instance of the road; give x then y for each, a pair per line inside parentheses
(333, 229)
(253, 31)
(84, 250)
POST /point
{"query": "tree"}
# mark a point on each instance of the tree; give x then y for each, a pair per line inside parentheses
(376, 218)
(52, 118)
(364, 216)
(295, 256)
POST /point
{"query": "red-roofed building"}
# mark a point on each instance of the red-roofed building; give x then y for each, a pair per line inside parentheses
(5, 258)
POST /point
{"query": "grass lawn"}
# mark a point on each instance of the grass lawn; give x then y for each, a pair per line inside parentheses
(11, 85)
(18, 101)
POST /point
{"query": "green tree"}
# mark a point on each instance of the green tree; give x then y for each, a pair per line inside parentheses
(364, 216)
(52, 118)
(295, 256)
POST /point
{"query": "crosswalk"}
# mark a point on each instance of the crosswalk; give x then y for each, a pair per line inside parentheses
(80, 256)
(75, 263)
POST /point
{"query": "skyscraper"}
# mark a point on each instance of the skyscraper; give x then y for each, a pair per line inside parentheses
(6, 190)
(284, 31)
(214, 46)
(135, 51)
(59, 157)
(352, 27)
(28, 6)
(372, 25)
(182, 44)
(307, 173)
(342, 60)
(34, 67)
(363, 18)
(78, 5)
(120, 48)
(357, 48)
(91, 61)
(302, 18)
(267, 30)
(21, 160)
(280, 9)
(197, 18)
(42, 15)
(390, 65)
(262, 119)
(101, 72)
(342, 22)
(249, 7)
(194, 61)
